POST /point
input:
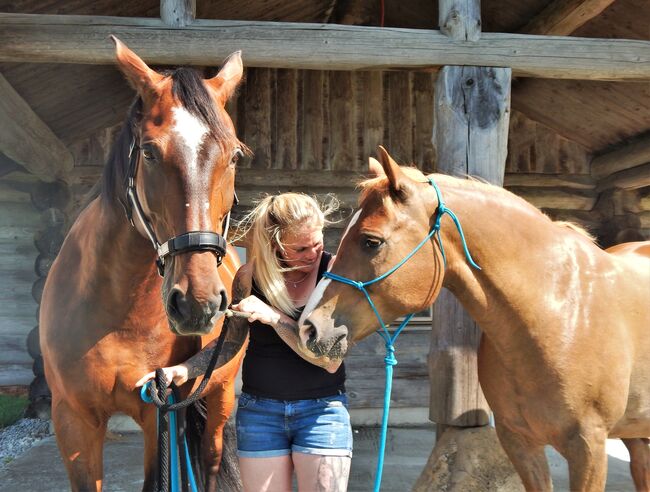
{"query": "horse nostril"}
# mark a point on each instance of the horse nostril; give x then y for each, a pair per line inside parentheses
(178, 306)
(223, 300)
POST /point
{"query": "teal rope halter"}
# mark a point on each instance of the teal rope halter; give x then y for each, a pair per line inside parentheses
(389, 340)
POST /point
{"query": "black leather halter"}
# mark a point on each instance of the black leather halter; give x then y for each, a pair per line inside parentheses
(183, 243)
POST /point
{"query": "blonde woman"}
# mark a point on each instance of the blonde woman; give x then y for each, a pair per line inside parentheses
(292, 416)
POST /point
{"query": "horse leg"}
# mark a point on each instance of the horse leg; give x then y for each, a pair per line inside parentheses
(220, 404)
(585, 453)
(639, 462)
(150, 433)
(81, 441)
(528, 459)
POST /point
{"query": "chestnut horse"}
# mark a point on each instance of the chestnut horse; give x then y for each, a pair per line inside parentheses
(103, 320)
(565, 356)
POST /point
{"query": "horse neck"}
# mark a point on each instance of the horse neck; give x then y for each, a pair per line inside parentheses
(122, 256)
(510, 240)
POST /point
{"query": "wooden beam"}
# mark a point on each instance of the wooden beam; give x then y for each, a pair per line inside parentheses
(562, 17)
(561, 199)
(629, 179)
(460, 20)
(27, 140)
(634, 154)
(177, 13)
(83, 39)
(573, 181)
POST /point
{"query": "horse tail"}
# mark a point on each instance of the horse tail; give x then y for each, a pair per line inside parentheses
(228, 478)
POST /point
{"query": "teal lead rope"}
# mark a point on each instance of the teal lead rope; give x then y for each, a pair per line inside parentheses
(390, 359)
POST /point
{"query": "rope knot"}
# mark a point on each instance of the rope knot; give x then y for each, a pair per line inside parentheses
(390, 359)
(358, 285)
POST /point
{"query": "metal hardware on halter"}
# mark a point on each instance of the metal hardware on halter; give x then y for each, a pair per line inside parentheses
(183, 243)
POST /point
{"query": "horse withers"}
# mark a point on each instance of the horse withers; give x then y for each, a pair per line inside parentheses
(154, 228)
(565, 355)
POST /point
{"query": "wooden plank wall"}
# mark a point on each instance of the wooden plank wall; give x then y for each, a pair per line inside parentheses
(19, 220)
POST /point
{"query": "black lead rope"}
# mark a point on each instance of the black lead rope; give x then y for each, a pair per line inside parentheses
(158, 393)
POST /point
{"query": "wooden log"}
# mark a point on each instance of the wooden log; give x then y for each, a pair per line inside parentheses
(286, 120)
(296, 178)
(424, 153)
(48, 241)
(39, 389)
(27, 140)
(460, 19)
(56, 194)
(37, 289)
(257, 111)
(562, 17)
(177, 13)
(43, 264)
(52, 217)
(629, 156)
(568, 199)
(472, 106)
(535, 180)
(33, 343)
(400, 119)
(629, 179)
(38, 367)
(372, 104)
(343, 131)
(312, 123)
(83, 39)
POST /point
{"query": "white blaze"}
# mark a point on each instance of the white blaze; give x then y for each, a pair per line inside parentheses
(191, 131)
(314, 298)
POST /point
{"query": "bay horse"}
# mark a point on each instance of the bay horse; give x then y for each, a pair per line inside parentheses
(117, 302)
(564, 358)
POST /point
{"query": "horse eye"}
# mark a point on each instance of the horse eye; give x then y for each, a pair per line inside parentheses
(236, 155)
(148, 154)
(373, 242)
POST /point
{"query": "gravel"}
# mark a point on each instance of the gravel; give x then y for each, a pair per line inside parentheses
(19, 437)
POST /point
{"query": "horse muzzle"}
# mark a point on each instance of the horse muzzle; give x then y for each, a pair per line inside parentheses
(323, 338)
(189, 316)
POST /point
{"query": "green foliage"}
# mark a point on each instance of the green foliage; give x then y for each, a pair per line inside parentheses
(11, 409)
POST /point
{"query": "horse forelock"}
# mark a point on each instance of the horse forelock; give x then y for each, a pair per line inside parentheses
(190, 90)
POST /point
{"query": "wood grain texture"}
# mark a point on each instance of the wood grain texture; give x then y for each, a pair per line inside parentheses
(83, 39)
(27, 140)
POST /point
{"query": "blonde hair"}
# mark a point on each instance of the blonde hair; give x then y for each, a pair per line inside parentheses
(271, 219)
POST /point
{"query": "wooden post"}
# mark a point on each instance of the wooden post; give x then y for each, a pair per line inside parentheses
(470, 134)
(177, 13)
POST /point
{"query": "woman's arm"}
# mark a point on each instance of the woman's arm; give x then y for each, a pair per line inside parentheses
(236, 336)
(285, 327)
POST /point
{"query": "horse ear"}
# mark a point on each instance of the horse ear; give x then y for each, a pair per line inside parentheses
(228, 78)
(139, 75)
(375, 168)
(396, 178)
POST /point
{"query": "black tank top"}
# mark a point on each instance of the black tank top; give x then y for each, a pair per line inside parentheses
(272, 369)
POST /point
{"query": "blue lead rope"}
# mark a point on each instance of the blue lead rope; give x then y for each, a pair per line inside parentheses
(390, 359)
(175, 479)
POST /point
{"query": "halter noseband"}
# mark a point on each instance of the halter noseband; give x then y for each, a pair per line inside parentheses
(183, 243)
(440, 211)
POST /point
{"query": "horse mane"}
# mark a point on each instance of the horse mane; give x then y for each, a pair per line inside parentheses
(379, 184)
(188, 88)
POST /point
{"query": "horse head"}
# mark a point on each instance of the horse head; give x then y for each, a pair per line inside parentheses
(395, 213)
(180, 181)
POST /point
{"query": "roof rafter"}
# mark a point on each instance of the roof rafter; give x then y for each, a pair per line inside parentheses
(27, 140)
(562, 17)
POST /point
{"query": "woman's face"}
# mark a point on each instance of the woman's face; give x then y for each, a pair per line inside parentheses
(303, 246)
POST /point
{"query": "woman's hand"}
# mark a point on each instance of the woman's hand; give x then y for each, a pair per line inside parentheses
(260, 311)
(177, 374)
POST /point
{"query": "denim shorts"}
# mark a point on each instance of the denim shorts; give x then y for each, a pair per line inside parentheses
(268, 427)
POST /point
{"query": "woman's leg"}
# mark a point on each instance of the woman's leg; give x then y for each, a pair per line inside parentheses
(321, 473)
(267, 474)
